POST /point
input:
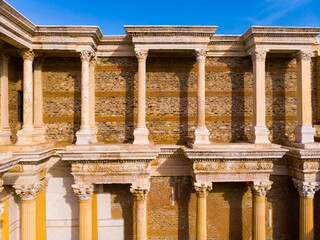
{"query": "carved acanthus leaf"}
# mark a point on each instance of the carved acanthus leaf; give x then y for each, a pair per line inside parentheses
(29, 191)
(304, 55)
(142, 54)
(201, 53)
(86, 55)
(83, 191)
(261, 188)
(140, 190)
(259, 55)
(306, 189)
(27, 54)
(202, 189)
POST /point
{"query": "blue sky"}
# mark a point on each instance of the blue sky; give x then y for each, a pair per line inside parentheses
(232, 17)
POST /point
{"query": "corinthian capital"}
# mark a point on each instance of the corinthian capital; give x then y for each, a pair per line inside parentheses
(306, 189)
(142, 54)
(140, 190)
(83, 191)
(304, 55)
(27, 54)
(261, 188)
(259, 55)
(201, 53)
(86, 55)
(202, 189)
(29, 191)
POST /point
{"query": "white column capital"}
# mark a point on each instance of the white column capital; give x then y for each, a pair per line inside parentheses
(141, 54)
(27, 54)
(259, 54)
(86, 55)
(304, 55)
(201, 53)
(202, 189)
(306, 189)
(260, 188)
(83, 191)
(140, 190)
(29, 192)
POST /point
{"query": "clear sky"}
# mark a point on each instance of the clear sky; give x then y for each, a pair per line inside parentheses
(232, 16)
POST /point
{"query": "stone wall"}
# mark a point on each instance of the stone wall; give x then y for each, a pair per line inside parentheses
(171, 98)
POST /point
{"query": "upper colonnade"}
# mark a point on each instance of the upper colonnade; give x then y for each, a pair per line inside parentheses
(21, 33)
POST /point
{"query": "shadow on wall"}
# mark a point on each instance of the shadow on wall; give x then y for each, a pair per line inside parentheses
(278, 99)
(124, 198)
(181, 194)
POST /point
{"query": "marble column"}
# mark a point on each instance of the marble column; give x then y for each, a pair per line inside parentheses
(259, 191)
(202, 191)
(27, 135)
(304, 132)
(306, 191)
(258, 131)
(92, 99)
(28, 194)
(140, 198)
(84, 192)
(201, 134)
(85, 135)
(38, 100)
(141, 132)
(5, 130)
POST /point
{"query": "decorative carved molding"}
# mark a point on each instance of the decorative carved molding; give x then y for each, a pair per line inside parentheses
(29, 191)
(83, 191)
(27, 54)
(304, 55)
(142, 54)
(259, 55)
(202, 189)
(86, 55)
(201, 53)
(139, 193)
(261, 188)
(306, 189)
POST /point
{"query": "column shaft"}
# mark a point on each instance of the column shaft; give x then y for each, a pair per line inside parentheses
(85, 135)
(304, 132)
(28, 219)
(201, 134)
(141, 219)
(259, 225)
(141, 132)
(5, 131)
(92, 99)
(259, 132)
(306, 228)
(85, 219)
(202, 218)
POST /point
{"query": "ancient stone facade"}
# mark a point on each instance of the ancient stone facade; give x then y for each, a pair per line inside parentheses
(167, 132)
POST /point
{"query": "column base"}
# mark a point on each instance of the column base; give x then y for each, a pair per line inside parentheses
(304, 134)
(95, 133)
(141, 136)
(41, 132)
(85, 137)
(259, 135)
(27, 136)
(201, 136)
(5, 135)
